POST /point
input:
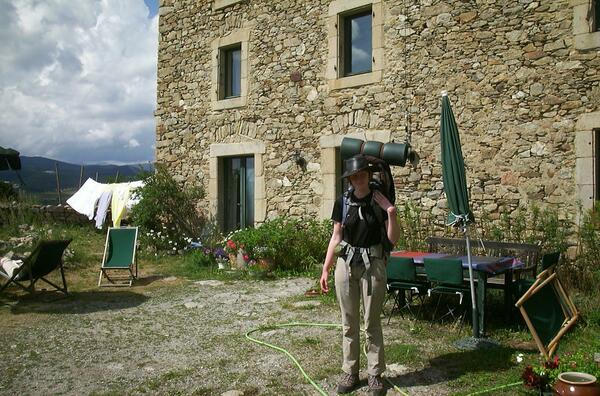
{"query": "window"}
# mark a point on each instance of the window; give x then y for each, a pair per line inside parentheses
(237, 186)
(355, 43)
(596, 148)
(356, 40)
(230, 72)
(586, 24)
(596, 16)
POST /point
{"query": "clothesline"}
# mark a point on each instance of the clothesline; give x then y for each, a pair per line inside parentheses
(94, 195)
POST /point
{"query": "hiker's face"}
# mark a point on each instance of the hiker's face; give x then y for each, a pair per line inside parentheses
(360, 179)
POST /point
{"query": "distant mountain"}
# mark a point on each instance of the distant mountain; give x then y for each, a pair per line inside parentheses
(39, 176)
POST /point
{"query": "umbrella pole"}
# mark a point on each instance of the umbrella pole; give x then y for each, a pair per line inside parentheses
(472, 284)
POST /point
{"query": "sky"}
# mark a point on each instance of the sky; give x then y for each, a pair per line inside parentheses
(78, 79)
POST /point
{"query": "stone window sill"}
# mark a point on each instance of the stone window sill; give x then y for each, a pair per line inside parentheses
(587, 41)
(355, 81)
(218, 4)
(231, 103)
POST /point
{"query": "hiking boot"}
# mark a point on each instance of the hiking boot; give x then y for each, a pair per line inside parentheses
(348, 383)
(376, 387)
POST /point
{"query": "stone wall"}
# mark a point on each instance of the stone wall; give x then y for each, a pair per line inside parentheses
(517, 84)
(46, 213)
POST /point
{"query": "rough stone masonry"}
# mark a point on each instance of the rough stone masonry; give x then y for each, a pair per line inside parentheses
(522, 77)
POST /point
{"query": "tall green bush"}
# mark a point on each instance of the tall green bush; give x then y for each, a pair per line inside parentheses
(166, 213)
(585, 270)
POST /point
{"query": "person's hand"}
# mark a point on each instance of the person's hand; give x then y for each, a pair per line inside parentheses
(383, 202)
(323, 281)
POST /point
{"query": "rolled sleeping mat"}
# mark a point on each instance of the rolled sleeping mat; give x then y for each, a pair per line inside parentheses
(350, 147)
(372, 148)
(392, 153)
(395, 153)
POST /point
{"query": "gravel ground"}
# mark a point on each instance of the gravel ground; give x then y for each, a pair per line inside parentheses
(180, 337)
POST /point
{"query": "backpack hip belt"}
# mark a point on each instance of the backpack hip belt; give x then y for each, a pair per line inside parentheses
(375, 251)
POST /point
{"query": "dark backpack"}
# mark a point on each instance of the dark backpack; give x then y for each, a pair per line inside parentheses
(385, 184)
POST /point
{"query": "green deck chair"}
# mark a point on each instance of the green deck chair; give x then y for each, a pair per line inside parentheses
(403, 284)
(548, 311)
(45, 257)
(119, 257)
(446, 276)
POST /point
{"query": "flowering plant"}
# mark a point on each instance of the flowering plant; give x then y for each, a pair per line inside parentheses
(219, 253)
(230, 247)
(541, 377)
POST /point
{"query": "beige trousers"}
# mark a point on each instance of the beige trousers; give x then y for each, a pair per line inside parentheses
(350, 285)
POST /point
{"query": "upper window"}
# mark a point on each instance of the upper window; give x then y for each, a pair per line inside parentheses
(355, 43)
(356, 38)
(586, 24)
(230, 70)
(229, 75)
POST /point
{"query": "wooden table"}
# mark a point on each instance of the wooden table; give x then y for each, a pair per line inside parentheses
(483, 267)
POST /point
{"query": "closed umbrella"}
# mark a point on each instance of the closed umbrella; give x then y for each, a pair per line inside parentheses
(455, 187)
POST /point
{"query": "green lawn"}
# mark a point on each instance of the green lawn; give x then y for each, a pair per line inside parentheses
(427, 349)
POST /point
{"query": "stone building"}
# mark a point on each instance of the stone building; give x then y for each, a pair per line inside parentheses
(255, 96)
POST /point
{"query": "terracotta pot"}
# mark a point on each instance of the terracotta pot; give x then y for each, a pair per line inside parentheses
(576, 384)
(265, 264)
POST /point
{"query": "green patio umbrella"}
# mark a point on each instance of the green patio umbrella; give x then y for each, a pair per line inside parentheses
(455, 186)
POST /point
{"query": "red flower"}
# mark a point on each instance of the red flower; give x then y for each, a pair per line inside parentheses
(231, 244)
(246, 258)
(530, 378)
(552, 364)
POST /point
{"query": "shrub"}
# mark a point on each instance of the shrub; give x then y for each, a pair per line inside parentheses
(585, 270)
(166, 214)
(8, 192)
(292, 244)
(415, 226)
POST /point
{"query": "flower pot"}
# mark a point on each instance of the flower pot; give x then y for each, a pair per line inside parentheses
(573, 383)
(222, 264)
(232, 260)
(265, 264)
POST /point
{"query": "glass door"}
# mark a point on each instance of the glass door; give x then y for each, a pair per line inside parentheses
(237, 187)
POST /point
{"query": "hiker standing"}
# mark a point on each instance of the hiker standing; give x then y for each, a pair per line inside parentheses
(361, 220)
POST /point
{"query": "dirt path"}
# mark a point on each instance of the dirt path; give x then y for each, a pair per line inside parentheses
(179, 337)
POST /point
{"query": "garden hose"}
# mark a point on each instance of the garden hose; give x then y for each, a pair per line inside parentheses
(333, 325)
(293, 359)
(496, 388)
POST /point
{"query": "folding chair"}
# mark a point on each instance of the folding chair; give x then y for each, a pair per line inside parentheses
(447, 277)
(45, 257)
(548, 311)
(119, 256)
(403, 284)
(549, 262)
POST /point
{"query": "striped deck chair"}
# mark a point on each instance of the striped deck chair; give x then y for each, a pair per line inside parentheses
(119, 264)
(45, 257)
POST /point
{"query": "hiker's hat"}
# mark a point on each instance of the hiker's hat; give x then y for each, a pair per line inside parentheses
(356, 164)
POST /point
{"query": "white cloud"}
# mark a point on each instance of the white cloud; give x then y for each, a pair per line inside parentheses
(78, 79)
(132, 143)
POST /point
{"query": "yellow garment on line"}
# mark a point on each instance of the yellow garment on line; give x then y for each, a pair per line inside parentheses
(120, 196)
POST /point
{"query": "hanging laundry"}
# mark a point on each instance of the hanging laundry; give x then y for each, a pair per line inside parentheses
(103, 203)
(84, 200)
(120, 196)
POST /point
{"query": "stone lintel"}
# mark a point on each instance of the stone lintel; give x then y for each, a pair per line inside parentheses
(588, 121)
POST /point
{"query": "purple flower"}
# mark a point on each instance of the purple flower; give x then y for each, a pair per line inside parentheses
(220, 253)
